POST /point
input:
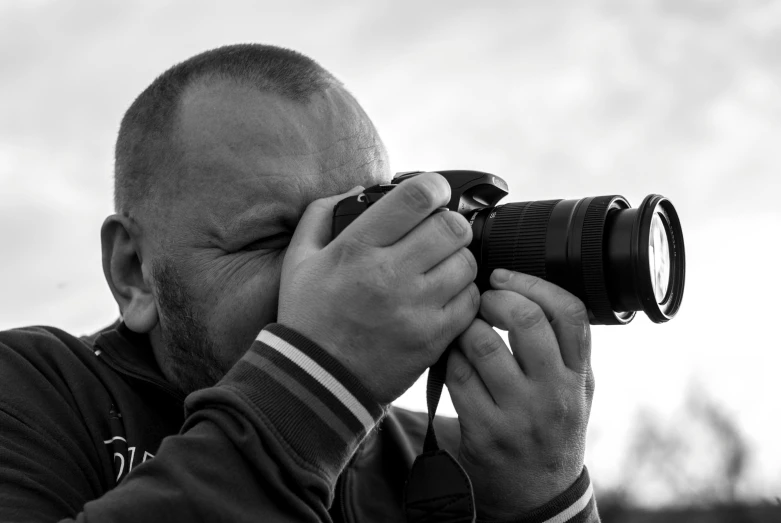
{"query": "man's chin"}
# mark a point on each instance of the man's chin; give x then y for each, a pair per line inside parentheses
(188, 373)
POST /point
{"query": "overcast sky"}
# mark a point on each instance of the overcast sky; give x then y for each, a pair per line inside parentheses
(562, 99)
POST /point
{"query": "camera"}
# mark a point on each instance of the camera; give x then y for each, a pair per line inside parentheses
(617, 259)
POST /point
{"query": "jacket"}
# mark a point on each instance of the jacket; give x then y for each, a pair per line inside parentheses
(90, 430)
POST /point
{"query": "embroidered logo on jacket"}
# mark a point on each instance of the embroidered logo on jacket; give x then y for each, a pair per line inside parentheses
(125, 457)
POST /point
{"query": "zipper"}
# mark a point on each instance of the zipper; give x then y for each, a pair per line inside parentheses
(174, 393)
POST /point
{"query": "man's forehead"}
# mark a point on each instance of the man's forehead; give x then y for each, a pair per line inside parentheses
(272, 199)
(254, 154)
(226, 121)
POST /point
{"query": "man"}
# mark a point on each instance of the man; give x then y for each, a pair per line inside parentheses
(251, 374)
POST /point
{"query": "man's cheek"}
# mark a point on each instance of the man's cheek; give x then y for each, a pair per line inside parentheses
(239, 278)
(244, 306)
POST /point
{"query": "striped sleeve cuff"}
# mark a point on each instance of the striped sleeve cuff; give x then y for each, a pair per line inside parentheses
(574, 505)
(312, 402)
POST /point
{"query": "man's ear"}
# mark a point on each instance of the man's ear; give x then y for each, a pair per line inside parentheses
(128, 274)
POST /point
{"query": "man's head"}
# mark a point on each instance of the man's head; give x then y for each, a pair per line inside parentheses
(215, 163)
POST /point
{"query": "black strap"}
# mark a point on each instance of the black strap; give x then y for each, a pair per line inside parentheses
(438, 488)
(436, 380)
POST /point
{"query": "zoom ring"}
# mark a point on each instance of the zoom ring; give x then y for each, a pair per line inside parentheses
(592, 250)
(516, 240)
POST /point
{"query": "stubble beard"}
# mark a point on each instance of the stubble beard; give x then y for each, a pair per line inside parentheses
(189, 354)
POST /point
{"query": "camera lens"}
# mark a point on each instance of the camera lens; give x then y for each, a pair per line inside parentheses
(659, 258)
(615, 258)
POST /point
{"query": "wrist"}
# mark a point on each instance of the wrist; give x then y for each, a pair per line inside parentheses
(576, 503)
(342, 349)
(309, 400)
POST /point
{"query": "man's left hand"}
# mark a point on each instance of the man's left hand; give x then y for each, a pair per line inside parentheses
(524, 413)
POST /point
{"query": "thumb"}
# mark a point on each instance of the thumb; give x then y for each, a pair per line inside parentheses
(313, 232)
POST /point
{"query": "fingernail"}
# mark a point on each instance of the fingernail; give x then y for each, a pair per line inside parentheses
(501, 275)
(357, 188)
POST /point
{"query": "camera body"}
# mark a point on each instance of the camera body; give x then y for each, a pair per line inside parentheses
(469, 191)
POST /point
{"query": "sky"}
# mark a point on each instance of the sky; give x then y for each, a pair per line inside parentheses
(563, 99)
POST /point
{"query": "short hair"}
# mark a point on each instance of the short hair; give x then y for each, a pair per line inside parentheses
(147, 146)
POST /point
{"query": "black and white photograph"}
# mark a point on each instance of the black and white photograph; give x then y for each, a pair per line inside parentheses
(390, 261)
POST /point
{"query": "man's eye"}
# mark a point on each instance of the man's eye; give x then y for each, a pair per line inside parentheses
(276, 241)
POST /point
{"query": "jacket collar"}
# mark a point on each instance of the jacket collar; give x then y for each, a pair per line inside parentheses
(131, 354)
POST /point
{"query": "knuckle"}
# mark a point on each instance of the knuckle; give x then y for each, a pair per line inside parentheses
(321, 204)
(419, 196)
(469, 261)
(438, 334)
(386, 276)
(461, 373)
(591, 384)
(454, 224)
(439, 185)
(559, 408)
(348, 249)
(486, 346)
(532, 283)
(475, 268)
(499, 436)
(583, 341)
(447, 332)
(377, 278)
(576, 311)
(356, 244)
(474, 297)
(528, 315)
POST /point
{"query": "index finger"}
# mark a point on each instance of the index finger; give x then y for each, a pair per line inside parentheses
(400, 210)
(566, 314)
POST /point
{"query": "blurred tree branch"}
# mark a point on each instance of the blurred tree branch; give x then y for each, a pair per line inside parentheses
(697, 458)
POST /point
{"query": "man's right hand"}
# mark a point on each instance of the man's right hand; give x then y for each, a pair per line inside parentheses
(389, 294)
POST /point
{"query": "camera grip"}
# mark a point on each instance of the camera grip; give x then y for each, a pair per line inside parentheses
(340, 223)
(345, 212)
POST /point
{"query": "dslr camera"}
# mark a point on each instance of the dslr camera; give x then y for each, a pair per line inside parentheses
(617, 259)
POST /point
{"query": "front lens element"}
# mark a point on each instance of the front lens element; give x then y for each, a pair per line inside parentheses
(659, 258)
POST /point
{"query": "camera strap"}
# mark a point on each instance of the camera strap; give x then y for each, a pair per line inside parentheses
(434, 385)
(438, 488)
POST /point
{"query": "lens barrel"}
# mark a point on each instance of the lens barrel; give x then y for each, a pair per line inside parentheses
(615, 258)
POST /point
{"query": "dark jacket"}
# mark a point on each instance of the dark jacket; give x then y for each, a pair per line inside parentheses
(287, 435)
